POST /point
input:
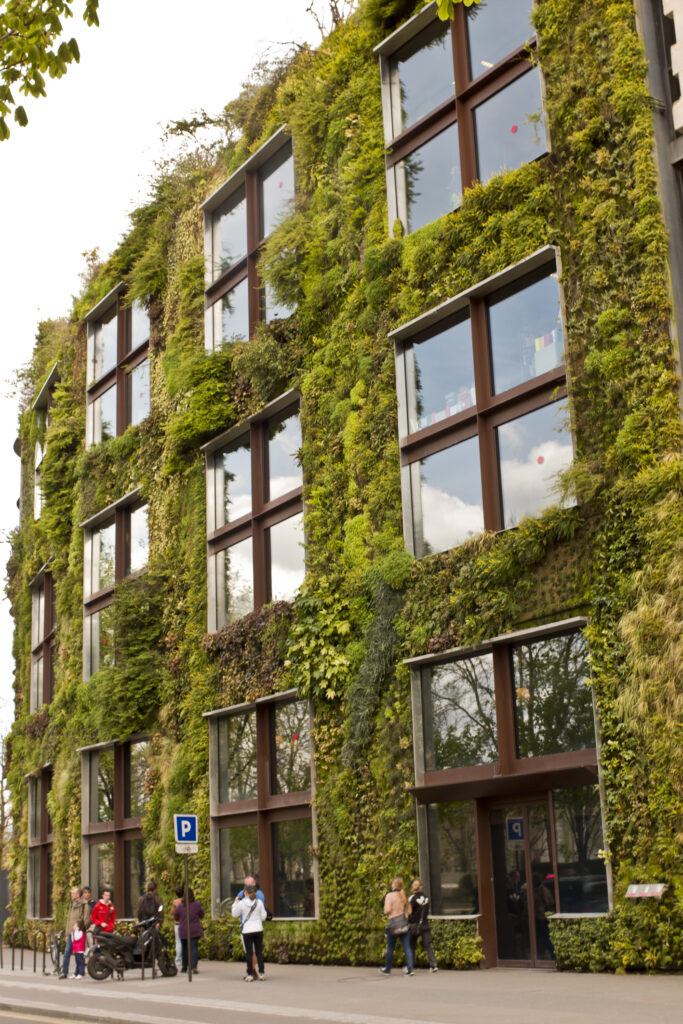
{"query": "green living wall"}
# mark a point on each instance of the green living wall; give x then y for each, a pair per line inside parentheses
(366, 605)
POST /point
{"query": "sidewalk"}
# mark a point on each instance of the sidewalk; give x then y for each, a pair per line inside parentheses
(348, 995)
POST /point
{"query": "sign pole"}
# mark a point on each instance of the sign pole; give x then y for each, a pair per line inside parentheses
(187, 918)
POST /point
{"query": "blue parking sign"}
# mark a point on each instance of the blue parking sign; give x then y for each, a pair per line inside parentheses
(515, 827)
(186, 830)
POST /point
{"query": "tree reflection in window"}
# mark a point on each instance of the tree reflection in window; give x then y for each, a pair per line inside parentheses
(553, 706)
(237, 757)
(105, 785)
(459, 713)
(453, 858)
(291, 748)
(137, 756)
(578, 835)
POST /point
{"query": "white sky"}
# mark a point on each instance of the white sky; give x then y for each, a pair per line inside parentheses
(69, 179)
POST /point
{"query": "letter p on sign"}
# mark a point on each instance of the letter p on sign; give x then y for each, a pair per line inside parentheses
(186, 830)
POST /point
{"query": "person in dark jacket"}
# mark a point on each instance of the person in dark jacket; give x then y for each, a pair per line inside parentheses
(148, 905)
(196, 930)
(420, 927)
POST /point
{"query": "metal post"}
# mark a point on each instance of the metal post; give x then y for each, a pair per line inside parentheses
(187, 918)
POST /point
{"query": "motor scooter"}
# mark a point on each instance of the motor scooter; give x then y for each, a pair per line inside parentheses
(121, 953)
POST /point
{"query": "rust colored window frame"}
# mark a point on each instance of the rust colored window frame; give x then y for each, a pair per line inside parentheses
(44, 647)
(118, 831)
(248, 177)
(267, 808)
(264, 514)
(491, 410)
(469, 93)
(127, 358)
(42, 844)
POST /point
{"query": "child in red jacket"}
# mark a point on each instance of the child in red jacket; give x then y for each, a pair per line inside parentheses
(78, 949)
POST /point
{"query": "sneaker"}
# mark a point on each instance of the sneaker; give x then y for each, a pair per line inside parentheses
(77, 977)
(409, 974)
(62, 976)
(261, 977)
(433, 970)
(384, 970)
(406, 971)
(249, 977)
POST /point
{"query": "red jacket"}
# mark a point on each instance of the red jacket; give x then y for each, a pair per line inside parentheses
(104, 915)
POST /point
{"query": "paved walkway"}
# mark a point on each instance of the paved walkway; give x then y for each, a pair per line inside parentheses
(345, 995)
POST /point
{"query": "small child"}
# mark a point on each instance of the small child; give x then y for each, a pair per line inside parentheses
(78, 949)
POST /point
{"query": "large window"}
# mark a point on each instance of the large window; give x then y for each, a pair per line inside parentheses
(118, 393)
(261, 819)
(238, 218)
(255, 513)
(116, 547)
(42, 406)
(483, 426)
(462, 102)
(42, 640)
(116, 789)
(40, 839)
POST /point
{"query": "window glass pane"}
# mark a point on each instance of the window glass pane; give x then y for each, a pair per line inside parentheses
(33, 894)
(134, 875)
(292, 752)
(532, 450)
(103, 555)
(139, 325)
(238, 851)
(102, 412)
(50, 881)
(275, 310)
(37, 615)
(287, 565)
(428, 181)
(459, 711)
(284, 444)
(139, 540)
(104, 351)
(452, 858)
(229, 241)
(578, 836)
(105, 784)
(137, 793)
(34, 808)
(494, 30)
(138, 393)
(421, 76)
(231, 315)
(235, 568)
(233, 483)
(553, 706)
(277, 193)
(102, 869)
(440, 376)
(237, 757)
(36, 695)
(509, 127)
(446, 498)
(525, 328)
(106, 637)
(293, 864)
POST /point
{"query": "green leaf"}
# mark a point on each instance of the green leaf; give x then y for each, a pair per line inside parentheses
(20, 117)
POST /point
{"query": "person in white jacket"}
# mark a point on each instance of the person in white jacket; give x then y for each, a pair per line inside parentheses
(252, 911)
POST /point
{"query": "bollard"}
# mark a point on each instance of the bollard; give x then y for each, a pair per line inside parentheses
(16, 932)
(35, 948)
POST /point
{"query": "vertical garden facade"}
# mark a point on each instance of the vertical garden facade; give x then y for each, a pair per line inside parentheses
(351, 505)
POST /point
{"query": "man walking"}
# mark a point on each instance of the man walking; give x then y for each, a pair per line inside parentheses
(78, 910)
(250, 884)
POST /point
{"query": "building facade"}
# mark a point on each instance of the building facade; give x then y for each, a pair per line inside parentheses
(351, 504)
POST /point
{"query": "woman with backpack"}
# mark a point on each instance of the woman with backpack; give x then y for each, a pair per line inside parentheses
(397, 908)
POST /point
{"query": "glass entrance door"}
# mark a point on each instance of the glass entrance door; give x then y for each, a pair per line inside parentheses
(523, 882)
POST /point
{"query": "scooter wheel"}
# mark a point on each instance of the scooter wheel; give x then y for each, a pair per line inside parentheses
(98, 969)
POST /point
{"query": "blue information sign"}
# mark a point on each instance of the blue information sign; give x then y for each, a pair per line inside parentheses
(186, 830)
(515, 828)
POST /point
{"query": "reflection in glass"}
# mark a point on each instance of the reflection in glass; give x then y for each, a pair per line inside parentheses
(229, 239)
(106, 637)
(231, 315)
(284, 444)
(235, 577)
(139, 325)
(236, 757)
(137, 396)
(454, 885)
(102, 416)
(532, 450)
(38, 615)
(102, 763)
(36, 695)
(525, 327)
(277, 192)
(101, 873)
(440, 376)
(542, 877)
(553, 706)
(138, 552)
(137, 767)
(293, 862)
(287, 565)
(275, 310)
(104, 347)
(233, 483)
(103, 551)
(578, 836)
(421, 76)
(33, 884)
(509, 127)
(238, 853)
(430, 179)
(446, 498)
(37, 485)
(458, 703)
(134, 875)
(291, 747)
(494, 30)
(510, 887)
(34, 802)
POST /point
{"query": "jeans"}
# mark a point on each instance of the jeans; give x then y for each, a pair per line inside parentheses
(80, 964)
(178, 946)
(391, 945)
(67, 955)
(194, 953)
(253, 943)
(426, 940)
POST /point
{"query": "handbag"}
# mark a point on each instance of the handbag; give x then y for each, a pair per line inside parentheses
(398, 925)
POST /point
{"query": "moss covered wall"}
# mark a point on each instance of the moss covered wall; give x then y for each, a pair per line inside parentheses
(366, 604)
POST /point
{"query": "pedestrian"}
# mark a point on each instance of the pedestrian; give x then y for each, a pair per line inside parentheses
(251, 882)
(252, 913)
(420, 928)
(196, 930)
(103, 914)
(148, 905)
(78, 910)
(397, 908)
(78, 947)
(87, 896)
(176, 927)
